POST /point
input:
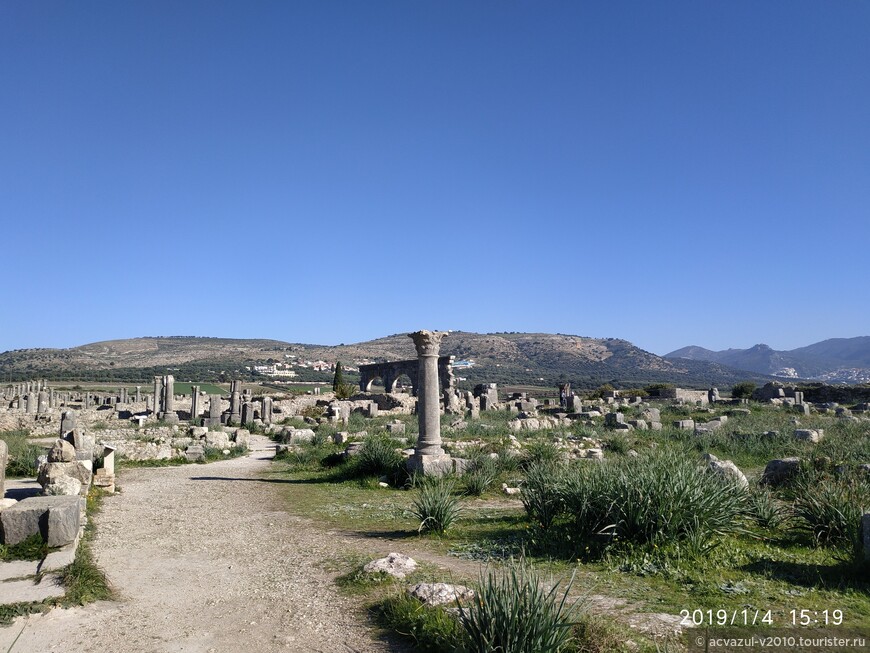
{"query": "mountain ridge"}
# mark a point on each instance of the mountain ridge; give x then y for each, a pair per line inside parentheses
(832, 360)
(502, 357)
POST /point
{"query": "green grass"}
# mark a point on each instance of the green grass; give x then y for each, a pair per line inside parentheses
(766, 561)
(22, 453)
(184, 388)
(84, 581)
(33, 548)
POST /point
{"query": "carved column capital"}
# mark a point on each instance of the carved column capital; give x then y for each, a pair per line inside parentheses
(428, 343)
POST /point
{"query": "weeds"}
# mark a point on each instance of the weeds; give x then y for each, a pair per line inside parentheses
(512, 611)
(436, 506)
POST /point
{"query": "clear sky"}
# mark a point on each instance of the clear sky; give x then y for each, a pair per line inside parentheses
(671, 173)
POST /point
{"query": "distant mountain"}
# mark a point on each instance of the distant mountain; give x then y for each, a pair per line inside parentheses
(845, 360)
(516, 358)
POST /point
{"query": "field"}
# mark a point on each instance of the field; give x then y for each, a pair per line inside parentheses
(648, 529)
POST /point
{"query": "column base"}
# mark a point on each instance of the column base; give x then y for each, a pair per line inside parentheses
(170, 417)
(430, 465)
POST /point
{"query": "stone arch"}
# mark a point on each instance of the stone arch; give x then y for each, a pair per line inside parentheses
(367, 386)
(390, 373)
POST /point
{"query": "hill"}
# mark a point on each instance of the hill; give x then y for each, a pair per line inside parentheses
(528, 358)
(833, 360)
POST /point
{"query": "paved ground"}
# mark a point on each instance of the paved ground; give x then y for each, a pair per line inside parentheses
(206, 560)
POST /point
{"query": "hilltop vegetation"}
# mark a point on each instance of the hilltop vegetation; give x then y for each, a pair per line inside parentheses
(506, 358)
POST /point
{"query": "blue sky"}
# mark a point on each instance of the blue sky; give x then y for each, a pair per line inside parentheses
(671, 173)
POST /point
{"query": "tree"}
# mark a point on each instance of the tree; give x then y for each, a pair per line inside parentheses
(338, 379)
(744, 389)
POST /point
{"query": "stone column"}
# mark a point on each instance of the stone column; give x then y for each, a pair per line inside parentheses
(158, 395)
(169, 414)
(194, 403)
(247, 414)
(31, 403)
(428, 457)
(266, 415)
(138, 393)
(235, 416)
(214, 411)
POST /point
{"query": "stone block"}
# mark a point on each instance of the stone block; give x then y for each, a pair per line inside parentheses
(810, 435)
(296, 436)
(217, 439)
(612, 419)
(242, 438)
(26, 591)
(195, 453)
(780, 470)
(397, 565)
(396, 428)
(50, 473)
(341, 437)
(61, 452)
(64, 486)
(430, 465)
(727, 470)
(434, 594)
(685, 424)
(57, 519)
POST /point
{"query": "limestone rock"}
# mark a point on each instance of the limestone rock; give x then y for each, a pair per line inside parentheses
(295, 436)
(685, 424)
(810, 435)
(63, 486)
(397, 565)
(434, 594)
(61, 452)
(727, 470)
(56, 518)
(780, 470)
(50, 473)
(217, 439)
(242, 438)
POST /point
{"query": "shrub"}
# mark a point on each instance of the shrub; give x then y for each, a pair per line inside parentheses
(542, 494)
(511, 611)
(662, 496)
(541, 452)
(743, 390)
(313, 411)
(830, 509)
(480, 474)
(765, 510)
(378, 455)
(22, 453)
(436, 506)
(345, 391)
(433, 630)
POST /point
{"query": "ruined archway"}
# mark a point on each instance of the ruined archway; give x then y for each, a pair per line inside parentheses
(391, 372)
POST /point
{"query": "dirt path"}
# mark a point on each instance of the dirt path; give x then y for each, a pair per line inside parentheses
(206, 560)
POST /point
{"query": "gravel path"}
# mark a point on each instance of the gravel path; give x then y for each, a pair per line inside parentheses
(206, 560)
